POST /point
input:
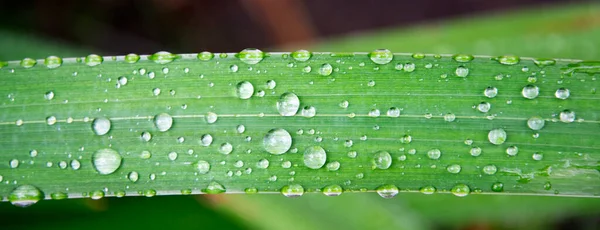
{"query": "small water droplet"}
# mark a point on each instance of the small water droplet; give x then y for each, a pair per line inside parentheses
(537, 156)
(449, 117)
(75, 164)
(51, 120)
(381, 160)
(301, 55)
(454, 168)
(277, 141)
(244, 90)
(381, 56)
(172, 156)
(490, 92)
(309, 111)
(93, 60)
(387, 191)
(202, 166)
(145, 154)
(409, 67)
(393, 112)
(156, 91)
(163, 122)
(288, 104)
(132, 58)
(497, 136)
(498, 187)
(490, 169)
(234, 68)
(562, 93)
(512, 150)
(25, 195)
(543, 62)
(214, 188)
(226, 148)
(263, 164)
(251, 56)
(133, 176)
(352, 154)
(163, 57)
(535, 123)
(146, 136)
(206, 140)
(205, 56)
(325, 69)
(530, 91)
(293, 190)
(462, 71)
(33, 153)
(475, 151)
(332, 190)
(463, 58)
(106, 161)
(101, 126)
(315, 157)
(460, 190)
(240, 128)
(508, 60)
(333, 166)
(53, 62)
(374, 113)
(211, 117)
(434, 154)
(14, 163)
(567, 116)
(484, 107)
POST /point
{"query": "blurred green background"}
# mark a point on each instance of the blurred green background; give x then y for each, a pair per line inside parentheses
(553, 29)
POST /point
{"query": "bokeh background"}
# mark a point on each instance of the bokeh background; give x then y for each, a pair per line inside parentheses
(540, 28)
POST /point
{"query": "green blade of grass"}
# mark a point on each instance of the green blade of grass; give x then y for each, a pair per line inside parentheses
(56, 135)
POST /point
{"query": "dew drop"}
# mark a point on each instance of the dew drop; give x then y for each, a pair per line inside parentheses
(234, 68)
(308, 111)
(97, 195)
(106, 161)
(251, 56)
(226, 148)
(325, 69)
(409, 67)
(146, 136)
(33, 153)
(132, 58)
(498, 187)
(101, 126)
(393, 112)
(156, 91)
(51, 120)
(381, 56)
(530, 91)
(163, 122)
(562, 93)
(315, 157)
(460, 190)
(206, 140)
(133, 176)
(301, 55)
(381, 160)
(484, 107)
(567, 116)
(75, 164)
(352, 154)
(449, 117)
(202, 166)
(387, 191)
(244, 90)
(172, 156)
(374, 113)
(288, 104)
(293, 190)
(25, 195)
(214, 188)
(263, 164)
(240, 128)
(463, 58)
(508, 60)
(535, 123)
(49, 95)
(490, 169)
(332, 190)
(462, 71)
(537, 156)
(454, 168)
(497, 136)
(14, 163)
(93, 60)
(333, 166)
(434, 154)
(277, 141)
(490, 92)
(475, 151)
(53, 62)
(512, 150)
(205, 56)
(163, 57)
(28, 62)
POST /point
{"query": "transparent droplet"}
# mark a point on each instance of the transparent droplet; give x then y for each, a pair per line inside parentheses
(293, 190)
(14, 163)
(409, 67)
(240, 128)
(562, 93)
(156, 91)
(497, 136)
(352, 154)
(288, 104)
(536, 123)
(251, 56)
(484, 107)
(449, 117)
(315, 157)
(33, 153)
(301, 55)
(463, 57)
(460, 190)
(393, 112)
(163, 122)
(203, 167)
(106, 161)
(333, 166)
(132, 58)
(205, 56)
(381, 160)
(133, 176)
(309, 111)
(145, 154)
(512, 150)
(163, 57)
(498, 187)
(475, 151)
(97, 195)
(263, 164)
(374, 113)
(490, 92)
(25, 195)
(234, 68)
(122, 80)
(509, 60)
(93, 60)
(277, 141)
(75, 164)
(381, 56)
(462, 71)
(332, 190)
(387, 191)
(530, 91)
(51, 120)
(53, 62)
(101, 126)
(434, 154)
(206, 140)
(325, 69)
(146, 136)
(344, 104)
(490, 169)
(211, 117)
(226, 148)
(537, 156)
(49, 95)
(244, 90)
(172, 156)
(567, 116)
(214, 188)
(406, 139)
(454, 168)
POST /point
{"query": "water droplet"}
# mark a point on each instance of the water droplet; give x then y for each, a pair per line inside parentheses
(163, 122)
(348, 143)
(146, 136)
(490, 169)
(97, 195)
(409, 67)
(240, 128)
(234, 68)
(462, 71)
(244, 90)
(567, 116)
(562, 93)
(277, 141)
(172, 156)
(25, 195)
(344, 104)
(251, 56)
(101, 126)
(156, 91)
(59, 196)
(490, 92)
(214, 188)
(132, 58)
(163, 57)
(475, 151)
(133, 176)
(28, 62)
(93, 60)
(332, 190)
(352, 154)
(449, 117)
(106, 161)
(301, 55)
(393, 112)
(535, 123)
(387, 191)
(288, 104)
(263, 164)
(427, 190)
(547, 186)
(406, 139)
(460, 190)
(211, 117)
(51, 120)
(49, 95)
(203, 167)
(434, 154)
(463, 57)
(381, 56)
(307, 69)
(206, 140)
(225, 148)
(508, 60)
(371, 83)
(53, 62)
(530, 91)
(454, 168)
(381, 160)
(33, 153)
(498, 187)
(497, 136)
(309, 111)
(374, 113)
(333, 166)
(484, 107)
(14, 163)
(512, 150)
(537, 156)
(325, 69)
(542, 62)
(315, 157)
(205, 56)
(293, 190)
(75, 164)
(145, 154)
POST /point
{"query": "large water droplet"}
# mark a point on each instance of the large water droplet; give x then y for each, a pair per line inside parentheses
(475, 151)
(434, 154)
(315, 157)
(133, 176)
(393, 112)
(244, 90)
(53, 62)
(203, 167)
(251, 56)
(206, 140)
(326, 69)
(512, 150)
(101, 126)
(530, 91)
(106, 161)
(163, 57)
(205, 56)
(293, 190)
(509, 60)
(497, 136)
(226, 148)
(309, 111)
(462, 71)
(28, 62)
(288, 104)
(301, 55)
(93, 60)
(381, 160)
(25, 195)
(490, 92)
(535, 123)
(562, 93)
(484, 107)
(454, 168)
(332, 190)
(132, 58)
(387, 191)
(490, 169)
(277, 141)
(567, 116)
(381, 56)
(460, 190)
(214, 188)
(163, 122)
